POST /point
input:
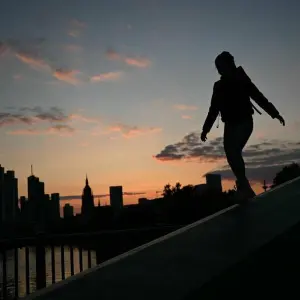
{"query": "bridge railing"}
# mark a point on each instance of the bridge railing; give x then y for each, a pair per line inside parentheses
(47, 259)
(35, 264)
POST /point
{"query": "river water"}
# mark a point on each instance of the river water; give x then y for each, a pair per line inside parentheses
(21, 267)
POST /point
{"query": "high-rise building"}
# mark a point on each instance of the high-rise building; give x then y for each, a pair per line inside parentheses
(116, 197)
(214, 181)
(68, 211)
(55, 199)
(36, 199)
(87, 206)
(24, 209)
(10, 197)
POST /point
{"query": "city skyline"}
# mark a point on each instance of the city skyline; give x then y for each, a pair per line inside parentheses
(25, 207)
(120, 91)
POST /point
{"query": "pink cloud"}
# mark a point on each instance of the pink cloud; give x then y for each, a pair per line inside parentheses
(68, 76)
(139, 62)
(106, 77)
(33, 62)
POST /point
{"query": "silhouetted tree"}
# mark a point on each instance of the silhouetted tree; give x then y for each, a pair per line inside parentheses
(287, 173)
(167, 192)
(176, 189)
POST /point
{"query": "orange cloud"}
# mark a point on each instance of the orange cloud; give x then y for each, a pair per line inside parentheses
(186, 117)
(185, 107)
(106, 77)
(68, 76)
(35, 63)
(139, 62)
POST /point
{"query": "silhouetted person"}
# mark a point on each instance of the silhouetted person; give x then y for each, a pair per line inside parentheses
(231, 98)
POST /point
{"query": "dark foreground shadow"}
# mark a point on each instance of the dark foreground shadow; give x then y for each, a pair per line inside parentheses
(271, 271)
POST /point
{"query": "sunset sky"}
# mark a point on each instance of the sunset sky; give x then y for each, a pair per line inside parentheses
(120, 89)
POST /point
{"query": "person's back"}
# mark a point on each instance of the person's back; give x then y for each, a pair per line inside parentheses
(231, 98)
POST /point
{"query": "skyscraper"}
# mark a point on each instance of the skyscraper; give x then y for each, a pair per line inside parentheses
(55, 199)
(116, 197)
(87, 206)
(36, 199)
(10, 197)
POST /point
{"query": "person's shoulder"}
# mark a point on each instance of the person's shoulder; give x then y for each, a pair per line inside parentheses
(242, 73)
(217, 84)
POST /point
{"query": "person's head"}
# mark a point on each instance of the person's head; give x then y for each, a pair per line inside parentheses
(225, 63)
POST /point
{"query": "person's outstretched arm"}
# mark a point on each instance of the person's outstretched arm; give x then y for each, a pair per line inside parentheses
(212, 114)
(262, 101)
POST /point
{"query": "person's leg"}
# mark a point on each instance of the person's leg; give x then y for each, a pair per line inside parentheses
(235, 139)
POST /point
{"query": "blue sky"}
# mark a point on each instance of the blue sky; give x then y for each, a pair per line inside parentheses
(128, 78)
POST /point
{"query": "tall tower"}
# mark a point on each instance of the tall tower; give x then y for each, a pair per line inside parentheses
(36, 198)
(10, 197)
(87, 206)
(55, 199)
(116, 197)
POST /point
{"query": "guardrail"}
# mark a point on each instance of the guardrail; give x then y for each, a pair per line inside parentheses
(44, 256)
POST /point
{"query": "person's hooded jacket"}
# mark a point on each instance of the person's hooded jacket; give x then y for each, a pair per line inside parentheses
(231, 98)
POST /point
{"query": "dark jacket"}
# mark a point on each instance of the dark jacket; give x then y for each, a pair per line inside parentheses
(231, 98)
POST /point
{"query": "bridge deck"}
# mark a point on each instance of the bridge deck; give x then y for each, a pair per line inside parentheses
(178, 264)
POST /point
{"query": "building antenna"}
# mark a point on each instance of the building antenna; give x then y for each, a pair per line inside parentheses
(31, 170)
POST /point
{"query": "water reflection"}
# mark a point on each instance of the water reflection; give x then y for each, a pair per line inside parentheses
(32, 273)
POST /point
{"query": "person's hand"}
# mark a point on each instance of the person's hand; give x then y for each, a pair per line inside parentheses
(281, 120)
(203, 136)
